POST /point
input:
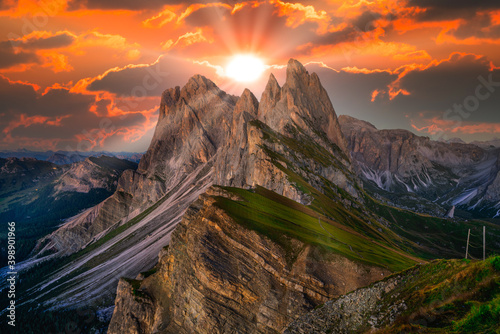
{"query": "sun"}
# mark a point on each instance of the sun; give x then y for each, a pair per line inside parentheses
(245, 68)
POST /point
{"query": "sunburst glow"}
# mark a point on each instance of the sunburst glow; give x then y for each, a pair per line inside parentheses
(245, 68)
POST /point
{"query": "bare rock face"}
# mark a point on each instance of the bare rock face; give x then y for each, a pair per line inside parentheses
(140, 316)
(200, 125)
(350, 313)
(285, 119)
(190, 129)
(446, 174)
(219, 277)
(302, 101)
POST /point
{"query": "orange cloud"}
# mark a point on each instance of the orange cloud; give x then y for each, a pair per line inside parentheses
(25, 121)
(57, 62)
(96, 137)
(95, 38)
(160, 19)
(446, 37)
(364, 45)
(241, 5)
(437, 126)
(413, 56)
(375, 93)
(47, 8)
(13, 82)
(187, 39)
(195, 7)
(363, 70)
(298, 14)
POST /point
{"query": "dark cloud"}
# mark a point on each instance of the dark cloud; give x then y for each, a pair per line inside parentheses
(16, 98)
(7, 4)
(16, 52)
(150, 80)
(451, 9)
(19, 98)
(58, 102)
(56, 41)
(347, 34)
(366, 21)
(129, 4)
(433, 93)
(67, 116)
(456, 4)
(475, 16)
(454, 81)
(479, 26)
(9, 58)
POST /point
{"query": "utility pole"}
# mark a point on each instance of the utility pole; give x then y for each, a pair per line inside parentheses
(484, 243)
(467, 248)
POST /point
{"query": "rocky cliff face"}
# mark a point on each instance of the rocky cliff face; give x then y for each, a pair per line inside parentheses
(205, 136)
(219, 277)
(200, 126)
(449, 174)
(301, 101)
(191, 122)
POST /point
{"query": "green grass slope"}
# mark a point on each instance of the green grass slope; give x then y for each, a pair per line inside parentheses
(416, 235)
(448, 296)
(276, 217)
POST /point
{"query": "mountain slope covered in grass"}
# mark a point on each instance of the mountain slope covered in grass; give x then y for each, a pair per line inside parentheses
(443, 296)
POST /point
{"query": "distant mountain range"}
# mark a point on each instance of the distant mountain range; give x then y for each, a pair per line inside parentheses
(424, 175)
(247, 216)
(39, 194)
(68, 157)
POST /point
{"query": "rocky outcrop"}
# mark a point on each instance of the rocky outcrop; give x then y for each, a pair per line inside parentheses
(190, 129)
(302, 101)
(219, 277)
(431, 298)
(352, 313)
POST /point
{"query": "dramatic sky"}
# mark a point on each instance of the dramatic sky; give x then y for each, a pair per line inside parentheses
(87, 74)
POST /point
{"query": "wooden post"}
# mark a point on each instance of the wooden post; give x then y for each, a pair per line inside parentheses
(467, 248)
(484, 242)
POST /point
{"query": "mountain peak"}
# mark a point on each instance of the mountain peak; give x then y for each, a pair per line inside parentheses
(271, 94)
(297, 75)
(294, 66)
(198, 84)
(302, 101)
(247, 102)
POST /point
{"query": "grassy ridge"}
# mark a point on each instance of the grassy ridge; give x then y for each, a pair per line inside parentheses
(448, 296)
(419, 235)
(276, 216)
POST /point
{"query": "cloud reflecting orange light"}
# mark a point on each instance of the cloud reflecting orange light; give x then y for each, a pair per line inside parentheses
(72, 48)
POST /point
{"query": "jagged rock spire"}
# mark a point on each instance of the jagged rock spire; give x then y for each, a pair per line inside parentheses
(302, 100)
(247, 102)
